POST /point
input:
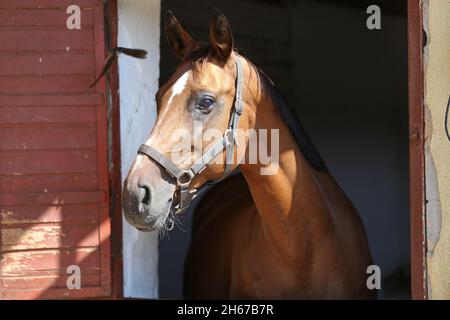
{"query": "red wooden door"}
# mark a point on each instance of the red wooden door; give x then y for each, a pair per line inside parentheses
(53, 151)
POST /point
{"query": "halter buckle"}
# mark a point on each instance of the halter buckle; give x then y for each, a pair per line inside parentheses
(231, 137)
(239, 109)
(185, 195)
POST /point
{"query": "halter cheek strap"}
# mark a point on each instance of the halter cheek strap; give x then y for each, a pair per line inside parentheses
(184, 194)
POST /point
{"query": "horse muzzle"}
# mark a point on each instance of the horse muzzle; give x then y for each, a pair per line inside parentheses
(145, 206)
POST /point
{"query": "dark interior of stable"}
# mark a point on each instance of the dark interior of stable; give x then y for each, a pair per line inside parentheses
(348, 86)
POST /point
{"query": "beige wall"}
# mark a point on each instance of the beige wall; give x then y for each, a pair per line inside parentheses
(437, 147)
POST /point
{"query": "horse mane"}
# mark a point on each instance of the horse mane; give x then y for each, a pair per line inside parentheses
(289, 117)
(201, 54)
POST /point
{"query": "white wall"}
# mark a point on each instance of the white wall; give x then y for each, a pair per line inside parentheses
(139, 22)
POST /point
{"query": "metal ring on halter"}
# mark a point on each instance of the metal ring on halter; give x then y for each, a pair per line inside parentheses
(172, 224)
(185, 177)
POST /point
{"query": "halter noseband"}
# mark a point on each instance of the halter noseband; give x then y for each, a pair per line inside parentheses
(184, 177)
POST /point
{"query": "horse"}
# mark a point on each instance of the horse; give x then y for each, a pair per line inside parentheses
(290, 234)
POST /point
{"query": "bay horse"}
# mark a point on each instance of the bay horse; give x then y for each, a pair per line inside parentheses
(290, 234)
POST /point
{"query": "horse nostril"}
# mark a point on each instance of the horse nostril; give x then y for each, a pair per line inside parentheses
(146, 198)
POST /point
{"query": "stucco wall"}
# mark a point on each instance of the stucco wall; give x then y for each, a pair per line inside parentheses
(437, 147)
(138, 28)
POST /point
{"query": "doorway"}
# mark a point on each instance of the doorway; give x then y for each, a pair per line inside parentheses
(349, 88)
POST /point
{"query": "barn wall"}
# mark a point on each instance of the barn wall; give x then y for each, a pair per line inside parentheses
(437, 147)
(138, 28)
(54, 211)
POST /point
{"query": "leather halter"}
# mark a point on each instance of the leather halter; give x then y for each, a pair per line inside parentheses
(183, 194)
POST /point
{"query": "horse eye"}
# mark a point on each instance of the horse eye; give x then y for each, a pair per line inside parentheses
(206, 103)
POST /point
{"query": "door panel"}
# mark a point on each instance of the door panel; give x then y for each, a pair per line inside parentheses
(53, 151)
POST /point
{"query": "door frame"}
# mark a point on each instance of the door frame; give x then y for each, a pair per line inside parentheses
(416, 153)
(114, 155)
(416, 150)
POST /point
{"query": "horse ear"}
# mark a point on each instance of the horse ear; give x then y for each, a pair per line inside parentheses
(179, 40)
(220, 35)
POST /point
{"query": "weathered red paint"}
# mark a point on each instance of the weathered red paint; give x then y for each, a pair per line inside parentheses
(416, 151)
(54, 179)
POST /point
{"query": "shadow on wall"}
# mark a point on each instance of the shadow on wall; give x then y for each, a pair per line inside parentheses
(348, 86)
(39, 243)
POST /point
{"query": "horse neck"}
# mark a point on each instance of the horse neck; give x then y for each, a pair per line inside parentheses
(290, 202)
